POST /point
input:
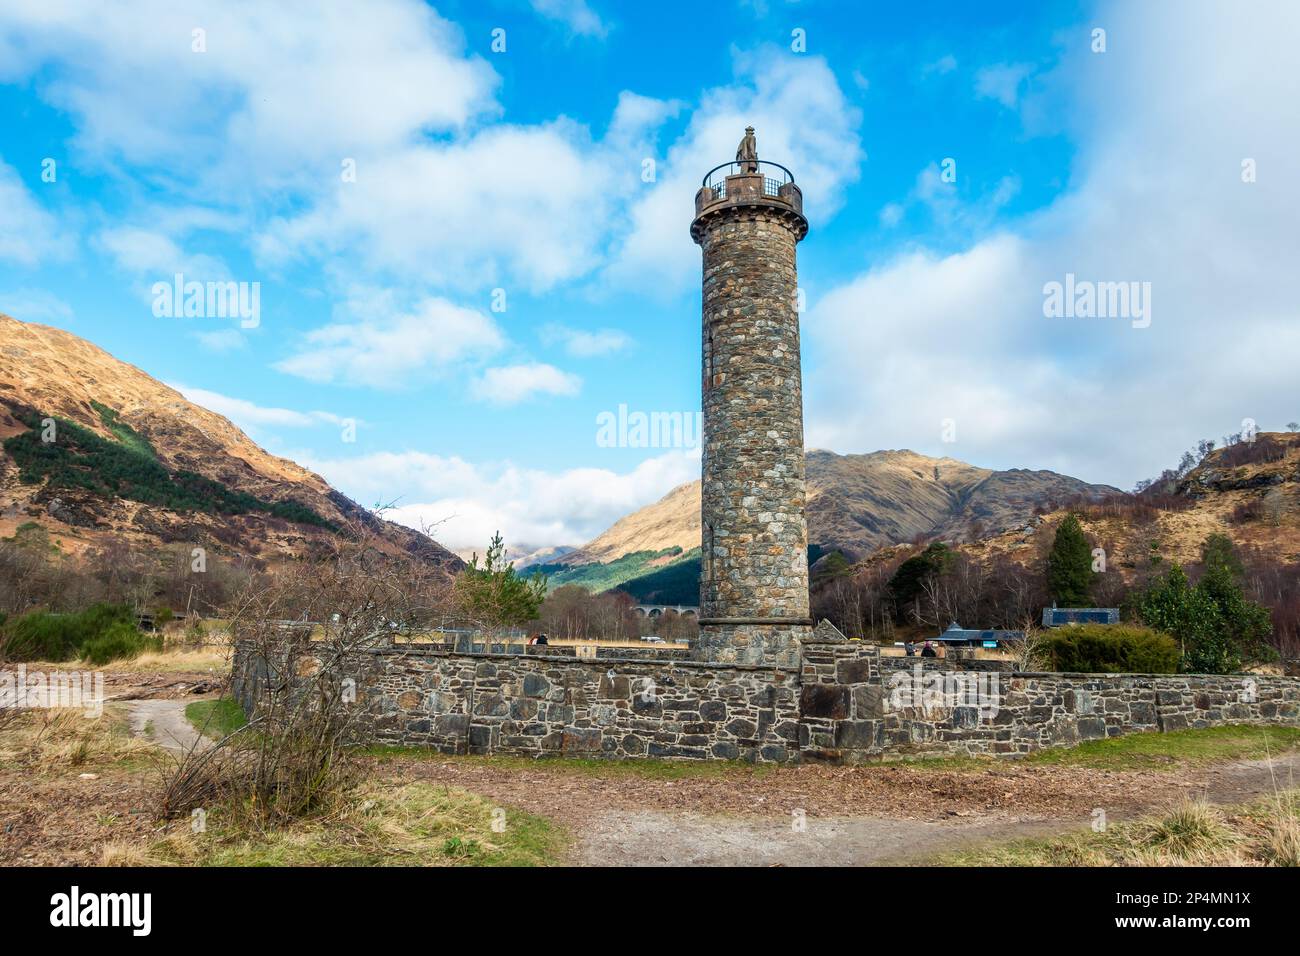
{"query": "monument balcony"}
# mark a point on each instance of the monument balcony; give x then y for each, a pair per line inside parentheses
(748, 182)
(752, 183)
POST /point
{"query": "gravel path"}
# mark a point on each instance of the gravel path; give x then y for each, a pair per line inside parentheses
(649, 838)
(857, 816)
(164, 722)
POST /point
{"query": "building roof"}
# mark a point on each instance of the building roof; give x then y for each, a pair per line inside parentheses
(956, 634)
(1056, 616)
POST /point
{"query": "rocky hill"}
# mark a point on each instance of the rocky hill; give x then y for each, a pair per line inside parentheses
(131, 459)
(857, 504)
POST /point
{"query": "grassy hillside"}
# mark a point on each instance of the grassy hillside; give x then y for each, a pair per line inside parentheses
(129, 468)
(597, 577)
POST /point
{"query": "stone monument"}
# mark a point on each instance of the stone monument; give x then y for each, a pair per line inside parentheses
(754, 554)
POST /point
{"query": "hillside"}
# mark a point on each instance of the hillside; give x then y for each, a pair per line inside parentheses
(856, 504)
(132, 460)
(1249, 492)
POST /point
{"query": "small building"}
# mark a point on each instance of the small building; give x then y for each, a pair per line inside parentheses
(958, 636)
(1057, 616)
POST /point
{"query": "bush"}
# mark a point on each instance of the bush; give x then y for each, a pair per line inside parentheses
(41, 636)
(119, 642)
(1111, 649)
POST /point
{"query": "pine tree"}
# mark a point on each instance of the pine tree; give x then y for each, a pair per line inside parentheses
(494, 596)
(1069, 566)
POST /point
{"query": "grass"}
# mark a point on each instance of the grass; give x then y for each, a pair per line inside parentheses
(215, 718)
(1145, 751)
(150, 662)
(67, 740)
(414, 824)
(1265, 832)
(649, 769)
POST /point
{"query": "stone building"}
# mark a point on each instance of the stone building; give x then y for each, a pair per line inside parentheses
(754, 605)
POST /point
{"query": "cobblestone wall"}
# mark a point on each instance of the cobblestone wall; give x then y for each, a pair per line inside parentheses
(536, 705)
(844, 704)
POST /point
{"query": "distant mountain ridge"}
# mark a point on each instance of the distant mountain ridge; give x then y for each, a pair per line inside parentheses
(132, 459)
(858, 503)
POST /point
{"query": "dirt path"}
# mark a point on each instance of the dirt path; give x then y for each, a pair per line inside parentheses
(650, 838)
(164, 722)
(851, 816)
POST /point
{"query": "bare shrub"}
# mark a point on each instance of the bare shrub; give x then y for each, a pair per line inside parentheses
(308, 628)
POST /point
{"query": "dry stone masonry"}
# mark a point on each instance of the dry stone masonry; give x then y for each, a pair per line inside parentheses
(843, 703)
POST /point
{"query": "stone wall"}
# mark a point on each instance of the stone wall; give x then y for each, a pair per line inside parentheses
(844, 704)
(930, 708)
(535, 704)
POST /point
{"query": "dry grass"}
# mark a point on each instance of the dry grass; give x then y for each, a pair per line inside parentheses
(415, 824)
(1263, 833)
(58, 741)
(186, 660)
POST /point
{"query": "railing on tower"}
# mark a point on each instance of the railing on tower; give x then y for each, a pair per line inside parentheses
(774, 177)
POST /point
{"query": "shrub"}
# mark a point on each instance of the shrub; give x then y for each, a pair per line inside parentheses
(1111, 649)
(41, 636)
(118, 642)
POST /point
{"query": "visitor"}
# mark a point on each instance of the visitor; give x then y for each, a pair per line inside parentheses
(928, 650)
(909, 648)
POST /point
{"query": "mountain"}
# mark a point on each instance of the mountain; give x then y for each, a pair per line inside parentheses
(671, 522)
(856, 504)
(132, 460)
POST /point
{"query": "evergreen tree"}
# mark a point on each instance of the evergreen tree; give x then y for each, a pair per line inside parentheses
(1217, 627)
(1069, 566)
(494, 595)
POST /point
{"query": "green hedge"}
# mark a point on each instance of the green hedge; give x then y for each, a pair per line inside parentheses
(119, 642)
(42, 636)
(1111, 649)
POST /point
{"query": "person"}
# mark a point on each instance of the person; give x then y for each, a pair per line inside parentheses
(538, 639)
(909, 648)
(928, 650)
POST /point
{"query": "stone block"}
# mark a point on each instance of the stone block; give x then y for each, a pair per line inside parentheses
(824, 700)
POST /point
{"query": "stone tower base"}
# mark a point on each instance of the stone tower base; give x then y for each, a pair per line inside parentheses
(774, 645)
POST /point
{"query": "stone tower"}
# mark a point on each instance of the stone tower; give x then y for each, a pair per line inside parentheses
(754, 566)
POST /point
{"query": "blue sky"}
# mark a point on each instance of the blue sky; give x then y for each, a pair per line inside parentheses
(522, 171)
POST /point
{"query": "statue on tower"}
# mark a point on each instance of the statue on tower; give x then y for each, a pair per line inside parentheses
(747, 152)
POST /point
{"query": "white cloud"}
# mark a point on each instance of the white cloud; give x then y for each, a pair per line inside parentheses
(1002, 82)
(512, 384)
(139, 91)
(803, 121)
(386, 350)
(531, 202)
(964, 336)
(34, 305)
(577, 15)
(582, 343)
(250, 416)
(945, 64)
(222, 340)
(28, 234)
(530, 507)
(157, 256)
